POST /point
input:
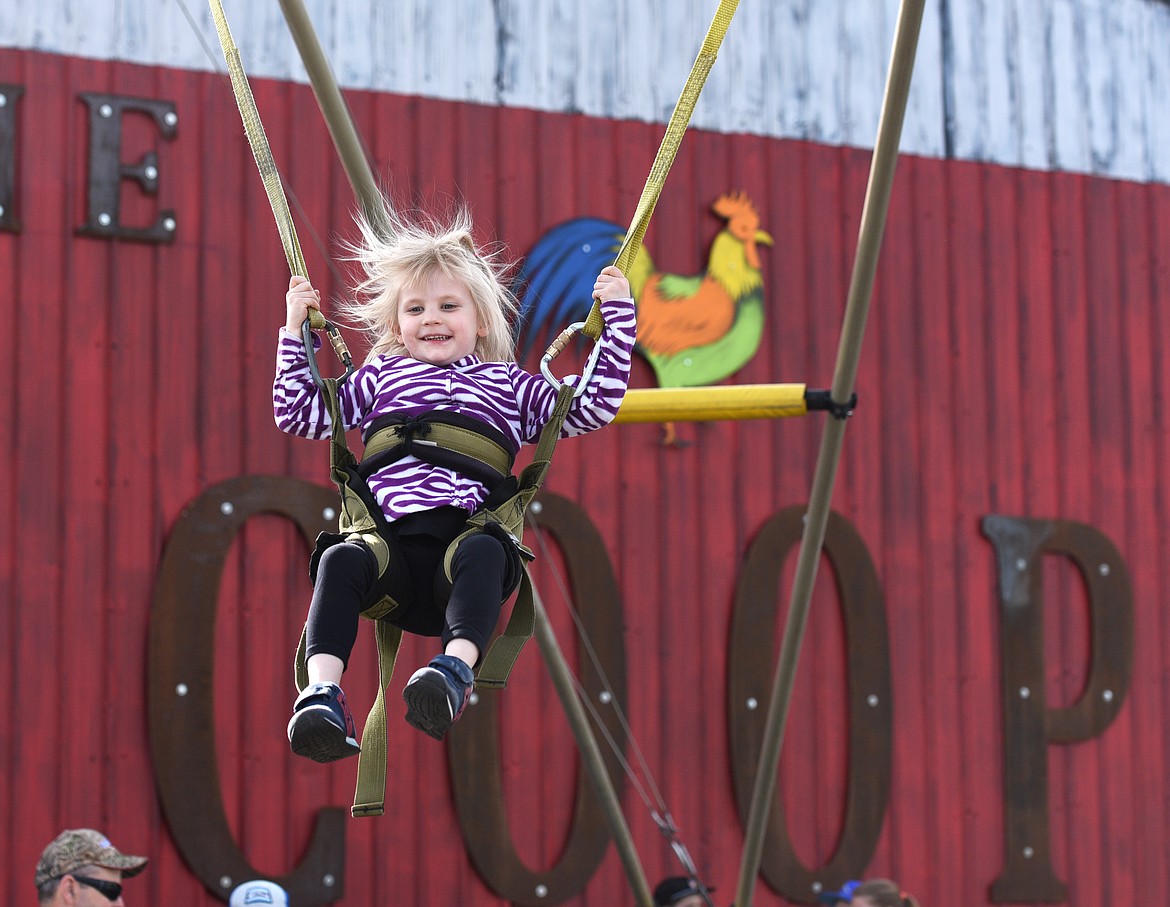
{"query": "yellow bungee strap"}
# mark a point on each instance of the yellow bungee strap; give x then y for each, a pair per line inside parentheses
(680, 119)
(270, 176)
(258, 141)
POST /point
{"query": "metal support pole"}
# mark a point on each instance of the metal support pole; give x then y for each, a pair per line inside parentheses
(873, 221)
(336, 113)
(590, 753)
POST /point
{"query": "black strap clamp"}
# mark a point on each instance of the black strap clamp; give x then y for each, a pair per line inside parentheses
(823, 400)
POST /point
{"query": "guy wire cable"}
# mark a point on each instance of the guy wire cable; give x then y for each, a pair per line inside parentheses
(587, 643)
(658, 810)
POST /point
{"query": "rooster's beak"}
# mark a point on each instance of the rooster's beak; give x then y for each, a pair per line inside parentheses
(753, 256)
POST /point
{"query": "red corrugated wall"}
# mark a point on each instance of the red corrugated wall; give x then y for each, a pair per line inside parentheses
(1012, 365)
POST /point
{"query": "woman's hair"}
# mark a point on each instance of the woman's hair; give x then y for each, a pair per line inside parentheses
(405, 253)
(884, 893)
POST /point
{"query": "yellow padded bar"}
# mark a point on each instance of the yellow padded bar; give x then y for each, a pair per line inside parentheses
(713, 404)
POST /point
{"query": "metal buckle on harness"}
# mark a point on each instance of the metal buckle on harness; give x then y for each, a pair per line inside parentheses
(339, 348)
(555, 348)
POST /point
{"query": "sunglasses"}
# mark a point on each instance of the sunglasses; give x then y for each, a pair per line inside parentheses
(111, 891)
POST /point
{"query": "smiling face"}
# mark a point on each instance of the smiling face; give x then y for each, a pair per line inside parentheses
(437, 320)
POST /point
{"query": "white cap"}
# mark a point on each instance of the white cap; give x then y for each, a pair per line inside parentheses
(258, 893)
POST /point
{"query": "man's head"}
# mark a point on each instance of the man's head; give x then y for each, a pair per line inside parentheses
(679, 891)
(81, 868)
(258, 893)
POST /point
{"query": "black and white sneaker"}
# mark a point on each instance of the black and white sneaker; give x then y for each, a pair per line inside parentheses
(437, 694)
(322, 727)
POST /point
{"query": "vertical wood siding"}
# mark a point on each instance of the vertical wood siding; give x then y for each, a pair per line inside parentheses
(1012, 365)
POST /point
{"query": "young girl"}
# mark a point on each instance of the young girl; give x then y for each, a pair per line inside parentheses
(438, 311)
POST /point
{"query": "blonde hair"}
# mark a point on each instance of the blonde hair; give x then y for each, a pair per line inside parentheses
(884, 893)
(404, 254)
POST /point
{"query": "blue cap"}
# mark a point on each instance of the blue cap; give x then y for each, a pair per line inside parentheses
(844, 895)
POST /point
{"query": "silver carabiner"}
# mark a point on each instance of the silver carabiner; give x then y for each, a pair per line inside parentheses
(339, 348)
(554, 350)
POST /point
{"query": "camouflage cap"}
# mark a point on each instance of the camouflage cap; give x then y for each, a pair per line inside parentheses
(77, 847)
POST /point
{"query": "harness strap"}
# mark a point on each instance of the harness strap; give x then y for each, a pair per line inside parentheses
(360, 517)
(258, 141)
(444, 439)
(369, 797)
(357, 519)
(270, 176)
(370, 791)
(497, 664)
(680, 118)
(355, 516)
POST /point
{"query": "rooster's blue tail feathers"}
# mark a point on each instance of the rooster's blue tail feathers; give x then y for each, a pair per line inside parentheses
(555, 284)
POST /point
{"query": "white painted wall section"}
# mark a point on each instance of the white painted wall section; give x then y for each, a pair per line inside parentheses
(1071, 85)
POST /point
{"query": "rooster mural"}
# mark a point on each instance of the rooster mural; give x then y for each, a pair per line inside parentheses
(692, 330)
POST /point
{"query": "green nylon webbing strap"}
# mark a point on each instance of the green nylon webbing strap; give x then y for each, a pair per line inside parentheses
(533, 474)
(501, 656)
(340, 456)
(463, 441)
(551, 432)
(369, 797)
(671, 140)
(262, 152)
(300, 670)
(370, 793)
(505, 649)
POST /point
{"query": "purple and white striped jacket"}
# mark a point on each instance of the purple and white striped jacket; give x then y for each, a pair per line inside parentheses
(501, 394)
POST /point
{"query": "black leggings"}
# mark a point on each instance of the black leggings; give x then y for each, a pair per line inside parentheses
(467, 607)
